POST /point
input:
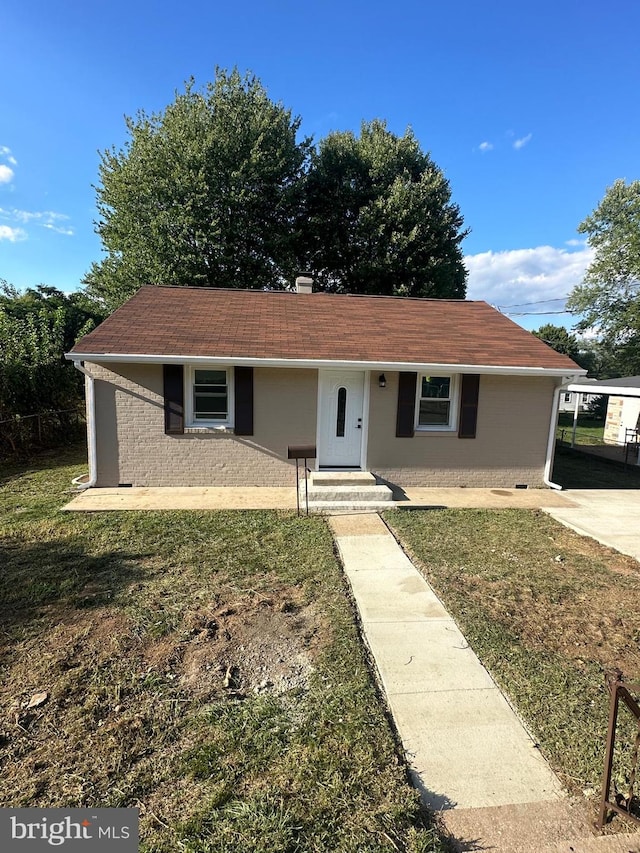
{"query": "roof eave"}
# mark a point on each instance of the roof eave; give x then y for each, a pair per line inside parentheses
(330, 364)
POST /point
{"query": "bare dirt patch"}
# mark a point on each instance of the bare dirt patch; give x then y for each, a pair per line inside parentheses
(112, 691)
(253, 644)
(573, 596)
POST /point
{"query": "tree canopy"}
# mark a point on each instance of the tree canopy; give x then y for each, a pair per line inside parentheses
(204, 193)
(36, 328)
(79, 313)
(609, 296)
(378, 217)
(559, 339)
(218, 190)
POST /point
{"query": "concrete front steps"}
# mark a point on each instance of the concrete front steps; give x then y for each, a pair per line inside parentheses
(559, 826)
(345, 490)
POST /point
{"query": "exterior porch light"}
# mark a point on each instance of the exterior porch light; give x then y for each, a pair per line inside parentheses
(382, 381)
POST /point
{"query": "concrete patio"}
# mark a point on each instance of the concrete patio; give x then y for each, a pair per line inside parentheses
(213, 498)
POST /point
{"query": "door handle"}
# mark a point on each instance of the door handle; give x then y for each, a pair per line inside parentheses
(359, 423)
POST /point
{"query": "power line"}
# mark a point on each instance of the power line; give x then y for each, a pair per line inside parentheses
(545, 301)
(531, 313)
(539, 302)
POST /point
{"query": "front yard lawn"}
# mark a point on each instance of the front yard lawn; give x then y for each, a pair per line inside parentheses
(204, 667)
(589, 430)
(547, 611)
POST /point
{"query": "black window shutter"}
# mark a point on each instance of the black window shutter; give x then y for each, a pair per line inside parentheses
(243, 391)
(469, 405)
(406, 404)
(173, 378)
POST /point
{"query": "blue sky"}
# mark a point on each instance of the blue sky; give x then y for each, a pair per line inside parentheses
(531, 109)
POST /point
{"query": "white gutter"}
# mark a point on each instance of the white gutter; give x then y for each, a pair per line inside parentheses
(314, 364)
(91, 428)
(551, 442)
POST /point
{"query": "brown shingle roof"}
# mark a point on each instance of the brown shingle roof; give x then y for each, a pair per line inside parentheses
(184, 321)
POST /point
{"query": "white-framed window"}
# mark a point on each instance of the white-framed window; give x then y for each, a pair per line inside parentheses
(209, 396)
(567, 396)
(437, 402)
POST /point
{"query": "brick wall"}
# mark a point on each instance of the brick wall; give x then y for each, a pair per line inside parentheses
(510, 445)
(509, 448)
(133, 448)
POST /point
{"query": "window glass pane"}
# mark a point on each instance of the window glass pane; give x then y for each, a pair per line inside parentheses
(210, 377)
(210, 400)
(210, 405)
(436, 386)
(342, 411)
(434, 413)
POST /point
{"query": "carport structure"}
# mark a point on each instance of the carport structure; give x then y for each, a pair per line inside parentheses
(625, 386)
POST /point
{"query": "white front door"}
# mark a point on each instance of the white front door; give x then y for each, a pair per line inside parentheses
(340, 427)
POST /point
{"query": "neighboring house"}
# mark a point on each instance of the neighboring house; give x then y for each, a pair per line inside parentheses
(568, 402)
(198, 387)
(622, 424)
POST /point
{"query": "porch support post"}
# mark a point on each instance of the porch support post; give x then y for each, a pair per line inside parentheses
(575, 419)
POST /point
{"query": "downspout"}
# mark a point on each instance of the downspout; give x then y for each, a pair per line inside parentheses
(551, 443)
(91, 429)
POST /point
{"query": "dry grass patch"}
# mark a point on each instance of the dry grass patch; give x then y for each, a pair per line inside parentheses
(203, 667)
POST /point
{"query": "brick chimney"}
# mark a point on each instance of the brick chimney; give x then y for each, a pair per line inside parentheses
(304, 284)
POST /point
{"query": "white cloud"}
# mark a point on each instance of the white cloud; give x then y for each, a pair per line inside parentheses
(525, 140)
(485, 146)
(13, 235)
(48, 219)
(6, 153)
(68, 231)
(544, 275)
(6, 174)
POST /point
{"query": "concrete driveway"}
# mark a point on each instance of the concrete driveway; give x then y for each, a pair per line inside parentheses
(611, 516)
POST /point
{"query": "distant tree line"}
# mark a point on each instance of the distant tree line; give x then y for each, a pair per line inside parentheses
(609, 297)
(220, 189)
(36, 328)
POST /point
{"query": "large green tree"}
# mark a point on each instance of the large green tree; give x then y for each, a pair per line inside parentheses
(609, 297)
(218, 190)
(379, 217)
(206, 192)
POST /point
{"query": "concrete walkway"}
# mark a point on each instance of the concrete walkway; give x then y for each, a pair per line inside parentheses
(465, 744)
